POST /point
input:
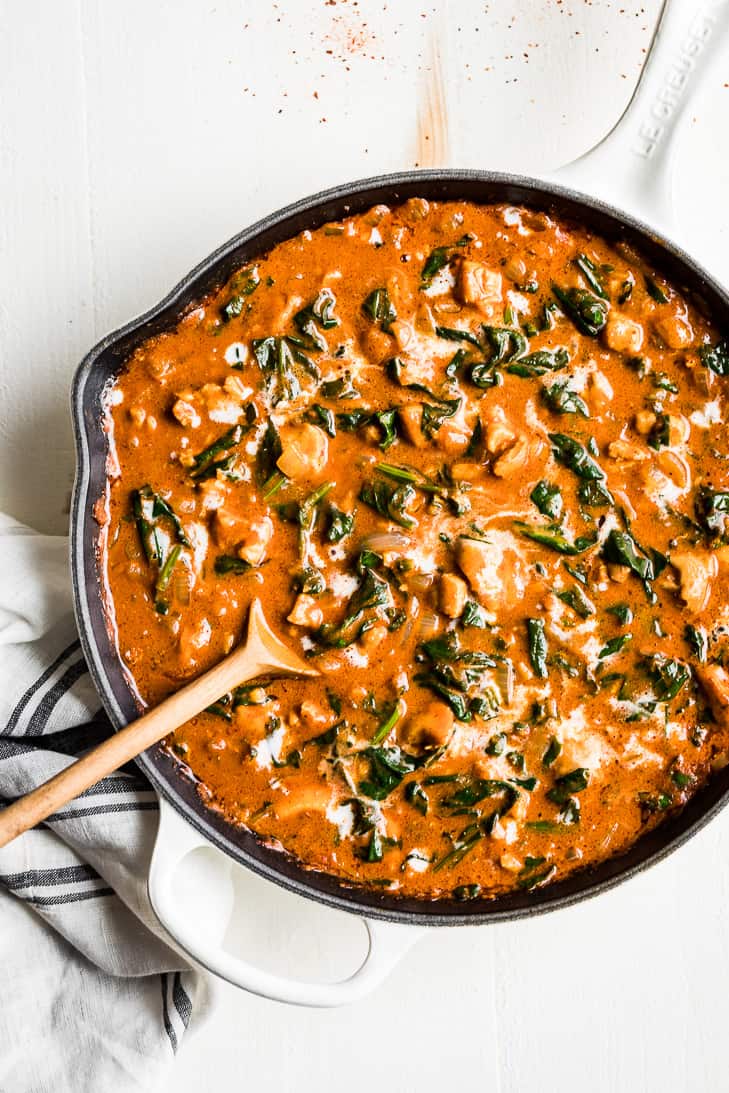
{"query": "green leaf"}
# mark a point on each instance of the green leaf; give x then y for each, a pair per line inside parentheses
(576, 599)
(716, 357)
(416, 796)
(245, 283)
(389, 500)
(574, 455)
(539, 363)
(698, 641)
(538, 647)
(340, 524)
(379, 308)
(712, 510)
(552, 536)
(388, 767)
(594, 495)
(668, 676)
(437, 260)
(228, 563)
(620, 548)
(588, 312)
(324, 418)
(654, 290)
(373, 592)
(552, 753)
(548, 499)
(615, 645)
(563, 400)
(434, 416)
(564, 787)
(591, 273)
(221, 446)
(473, 615)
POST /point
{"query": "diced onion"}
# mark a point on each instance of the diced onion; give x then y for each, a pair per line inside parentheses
(380, 541)
(429, 625)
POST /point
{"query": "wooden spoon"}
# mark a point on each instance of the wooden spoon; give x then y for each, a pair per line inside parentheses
(261, 654)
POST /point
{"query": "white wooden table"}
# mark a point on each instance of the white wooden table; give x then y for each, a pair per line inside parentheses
(133, 139)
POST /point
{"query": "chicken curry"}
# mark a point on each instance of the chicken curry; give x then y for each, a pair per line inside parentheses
(474, 462)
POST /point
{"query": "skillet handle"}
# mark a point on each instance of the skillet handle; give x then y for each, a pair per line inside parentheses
(632, 165)
(198, 928)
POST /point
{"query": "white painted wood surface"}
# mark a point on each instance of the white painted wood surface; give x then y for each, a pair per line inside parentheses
(134, 138)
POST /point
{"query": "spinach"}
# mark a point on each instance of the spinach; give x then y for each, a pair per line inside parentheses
(464, 892)
(472, 791)
(532, 876)
(374, 852)
(388, 767)
(340, 524)
(620, 548)
(379, 308)
(473, 615)
(626, 289)
(548, 499)
(588, 312)
(389, 500)
(574, 455)
(622, 613)
(386, 419)
(204, 460)
(563, 400)
(668, 676)
(437, 260)
(484, 375)
(570, 812)
(452, 673)
(594, 495)
(324, 418)
(388, 724)
(477, 831)
(539, 363)
(451, 334)
(148, 508)
(591, 273)
(164, 576)
(654, 290)
(659, 436)
(496, 744)
(229, 563)
(416, 796)
(434, 416)
(319, 313)
(277, 359)
(698, 641)
(339, 388)
(268, 454)
(615, 645)
(245, 283)
(552, 536)
(538, 647)
(372, 592)
(506, 345)
(564, 787)
(716, 357)
(654, 802)
(554, 750)
(712, 509)
(576, 599)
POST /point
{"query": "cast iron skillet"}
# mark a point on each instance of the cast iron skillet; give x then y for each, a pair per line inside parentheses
(103, 364)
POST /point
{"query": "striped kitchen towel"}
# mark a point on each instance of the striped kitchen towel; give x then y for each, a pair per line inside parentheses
(93, 998)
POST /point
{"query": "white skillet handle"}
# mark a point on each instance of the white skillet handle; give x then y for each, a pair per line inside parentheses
(202, 939)
(631, 166)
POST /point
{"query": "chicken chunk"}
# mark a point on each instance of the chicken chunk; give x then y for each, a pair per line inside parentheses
(493, 568)
(186, 413)
(626, 451)
(411, 419)
(714, 680)
(697, 569)
(622, 334)
(479, 285)
(429, 729)
(513, 459)
(498, 432)
(305, 453)
(247, 537)
(452, 592)
(675, 331)
(306, 612)
(601, 392)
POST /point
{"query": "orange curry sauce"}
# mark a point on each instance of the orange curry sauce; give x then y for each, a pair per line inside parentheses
(474, 462)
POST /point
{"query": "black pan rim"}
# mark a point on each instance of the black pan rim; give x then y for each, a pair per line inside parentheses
(158, 766)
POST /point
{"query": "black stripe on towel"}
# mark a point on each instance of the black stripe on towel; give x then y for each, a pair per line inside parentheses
(46, 878)
(37, 684)
(71, 897)
(169, 1028)
(180, 997)
(105, 810)
(48, 703)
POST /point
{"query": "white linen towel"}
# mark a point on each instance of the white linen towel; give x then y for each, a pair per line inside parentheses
(94, 999)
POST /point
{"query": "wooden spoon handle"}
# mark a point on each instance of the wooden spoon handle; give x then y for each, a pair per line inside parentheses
(126, 744)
